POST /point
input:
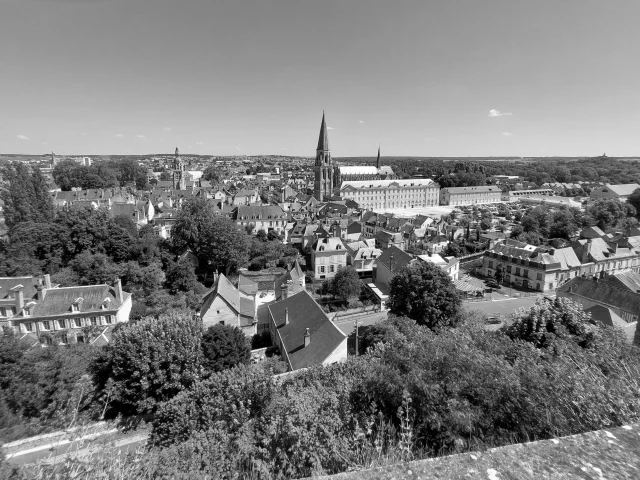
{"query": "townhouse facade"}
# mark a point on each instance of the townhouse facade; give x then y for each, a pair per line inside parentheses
(385, 194)
(262, 217)
(327, 256)
(460, 196)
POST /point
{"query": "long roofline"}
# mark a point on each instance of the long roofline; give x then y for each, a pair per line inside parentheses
(323, 139)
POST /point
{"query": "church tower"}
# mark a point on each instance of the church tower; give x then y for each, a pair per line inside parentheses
(378, 160)
(179, 180)
(323, 184)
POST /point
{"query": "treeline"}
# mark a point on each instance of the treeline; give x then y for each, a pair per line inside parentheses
(116, 172)
(539, 171)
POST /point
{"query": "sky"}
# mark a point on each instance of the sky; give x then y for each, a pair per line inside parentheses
(420, 78)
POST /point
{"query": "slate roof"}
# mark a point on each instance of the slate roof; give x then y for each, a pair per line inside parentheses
(479, 189)
(603, 293)
(567, 258)
(58, 301)
(609, 317)
(7, 283)
(328, 244)
(626, 280)
(253, 282)
(240, 303)
(293, 279)
(305, 313)
(592, 232)
(400, 257)
(261, 212)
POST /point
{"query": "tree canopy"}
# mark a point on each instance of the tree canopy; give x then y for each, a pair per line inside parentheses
(424, 293)
(225, 346)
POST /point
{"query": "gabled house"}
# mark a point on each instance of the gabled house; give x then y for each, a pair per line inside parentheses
(362, 256)
(303, 333)
(225, 304)
(390, 261)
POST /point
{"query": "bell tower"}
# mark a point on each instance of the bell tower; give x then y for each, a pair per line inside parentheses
(323, 184)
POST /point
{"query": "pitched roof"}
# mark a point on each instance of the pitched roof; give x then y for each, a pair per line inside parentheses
(626, 280)
(240, 303)
(609, 317)
(251, 282)
(328, 244)
(592, 232)
(261, 212)
(624, 189)
(58, 301)
(406, 183)
(603, 293)
(479, 189)
(567, 258)
(400, 257)
(358, 170)
(304, 313)
(7, 283)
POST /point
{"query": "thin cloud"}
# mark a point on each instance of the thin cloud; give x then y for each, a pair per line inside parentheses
(22, 137)
(140, 136)
(507, 134)
(167, 129)
(497, 113)
(360, 122)
(119, 135)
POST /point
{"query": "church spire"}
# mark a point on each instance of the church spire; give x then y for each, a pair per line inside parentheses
(378, 160)
(323, 140)
(177, 152)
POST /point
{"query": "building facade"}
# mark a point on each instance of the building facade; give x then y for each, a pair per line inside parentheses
(384, 194)
(262, 217)
(327, 256)
(456, 196)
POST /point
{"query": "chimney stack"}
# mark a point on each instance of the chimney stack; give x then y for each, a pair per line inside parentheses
(285, 291)
(118, 287)
(586, 250)
(47, 281)
(286, 316)
(307, 338)
(18, 295)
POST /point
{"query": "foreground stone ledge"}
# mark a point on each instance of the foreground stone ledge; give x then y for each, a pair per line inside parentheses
(611, 454)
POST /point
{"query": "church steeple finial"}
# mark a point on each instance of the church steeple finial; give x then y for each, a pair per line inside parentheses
(378, 160)
(323, 140)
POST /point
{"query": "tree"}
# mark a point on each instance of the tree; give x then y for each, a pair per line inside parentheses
(150, 362)
(181, 277)
(225, 346)
(26, 197)
(346, 283)
(424, 293)
(485, 224)
(215, 240)
(634, 199)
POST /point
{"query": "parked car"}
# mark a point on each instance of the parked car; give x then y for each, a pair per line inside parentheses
(493, 320)
(492, 284)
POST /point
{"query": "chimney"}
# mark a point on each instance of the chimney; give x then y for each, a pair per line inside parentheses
(47, 281)
(615, 247)
(118, 287)
(552, 251)
(18, 295)
(40, 290)
(586, 250)
(285, 291)
(307, 338)
(286, 316)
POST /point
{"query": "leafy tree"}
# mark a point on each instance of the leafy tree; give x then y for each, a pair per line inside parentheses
(424, 293)
(485, 224)
(152, 278)
(261, 235)
(26, 197)
(216, 240)
(150, 362)
(607, 213)
(634, 199)
(346, 283)
(124, 222)
(181, 277)
(225, 346)
(165, 176)
(92, 269)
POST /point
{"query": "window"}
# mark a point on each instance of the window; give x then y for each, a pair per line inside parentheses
(517, 270)
(508, 268)
(28, 327)
(321, 269)
(46, 325)
(77, 322)
(490, 263)
(332, 268)
(525, 273)
(64, 338)
(109, 318)
(539, 276)
(221, 323)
